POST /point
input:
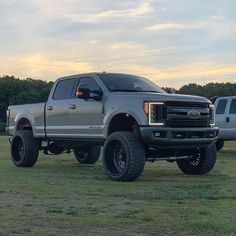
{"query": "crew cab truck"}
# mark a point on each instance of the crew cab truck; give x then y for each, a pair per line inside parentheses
(131, 117)
(225, 108)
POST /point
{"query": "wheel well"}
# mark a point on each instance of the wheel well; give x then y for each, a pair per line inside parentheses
(23, 124)
(123, 122)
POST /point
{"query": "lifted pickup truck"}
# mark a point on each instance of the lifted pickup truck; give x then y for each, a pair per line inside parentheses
(131, 117)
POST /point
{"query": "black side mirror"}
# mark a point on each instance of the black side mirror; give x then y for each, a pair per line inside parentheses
(83, 91)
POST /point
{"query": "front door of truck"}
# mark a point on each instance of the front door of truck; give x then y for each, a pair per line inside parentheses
(57, 109)
(231, 120)
(221, 106)
(86, 116)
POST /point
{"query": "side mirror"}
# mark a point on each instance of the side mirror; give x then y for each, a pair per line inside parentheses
(83, 91)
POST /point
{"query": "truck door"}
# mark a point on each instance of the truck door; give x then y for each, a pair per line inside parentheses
(231, 120)
(57, 109)
(86, 116)
(221, 105)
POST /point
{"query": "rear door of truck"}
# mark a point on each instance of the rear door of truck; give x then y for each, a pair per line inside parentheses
(57, 109)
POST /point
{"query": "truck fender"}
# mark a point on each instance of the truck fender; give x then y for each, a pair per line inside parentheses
(20, 116)
(108, 118)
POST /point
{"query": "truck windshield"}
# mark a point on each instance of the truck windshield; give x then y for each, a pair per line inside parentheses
(128, 83)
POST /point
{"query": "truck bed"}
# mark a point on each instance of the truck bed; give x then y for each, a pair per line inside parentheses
(33, 112)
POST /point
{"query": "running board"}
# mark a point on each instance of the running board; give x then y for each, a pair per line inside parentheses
(171, 159)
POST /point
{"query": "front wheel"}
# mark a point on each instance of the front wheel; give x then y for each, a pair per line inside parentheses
(24, 149)
(123, 156)
(87, 154)
(200, 162)
(219, 144)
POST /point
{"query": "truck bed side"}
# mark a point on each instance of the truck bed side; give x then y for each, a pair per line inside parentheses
(34, 113)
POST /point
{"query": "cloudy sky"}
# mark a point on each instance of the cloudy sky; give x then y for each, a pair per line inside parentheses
(172, 42)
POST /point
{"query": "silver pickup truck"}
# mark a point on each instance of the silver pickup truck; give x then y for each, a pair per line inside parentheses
(131, 117)
(225, 108)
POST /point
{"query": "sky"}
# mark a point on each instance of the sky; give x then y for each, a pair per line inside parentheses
(171, 42)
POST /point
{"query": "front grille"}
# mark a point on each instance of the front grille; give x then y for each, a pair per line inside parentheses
(177, 114)
(185, 123)
(187, 104)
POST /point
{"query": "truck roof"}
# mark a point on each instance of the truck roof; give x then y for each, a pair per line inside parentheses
(226, 97)
(91, 74)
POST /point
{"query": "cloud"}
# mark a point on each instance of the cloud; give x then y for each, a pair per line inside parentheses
(155, 38)
(141, 10)
(52, 66)
(169, 26)
(42, 66)
(215, 27)
(184, 74)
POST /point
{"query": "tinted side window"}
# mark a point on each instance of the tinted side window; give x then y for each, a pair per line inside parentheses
(92, 84)
(64, 89)
(232, 109)
(221, 106)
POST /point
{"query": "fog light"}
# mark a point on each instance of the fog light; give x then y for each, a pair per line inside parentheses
(157, 134)
(162, 134)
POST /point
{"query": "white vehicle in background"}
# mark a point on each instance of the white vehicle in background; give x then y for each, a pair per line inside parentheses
(225, 109)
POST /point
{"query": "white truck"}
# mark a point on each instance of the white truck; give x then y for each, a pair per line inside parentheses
(225, 108)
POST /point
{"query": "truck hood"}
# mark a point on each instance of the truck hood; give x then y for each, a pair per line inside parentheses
(147, 96)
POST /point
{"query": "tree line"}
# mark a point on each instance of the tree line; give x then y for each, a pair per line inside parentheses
(209, 90)
(17, 91)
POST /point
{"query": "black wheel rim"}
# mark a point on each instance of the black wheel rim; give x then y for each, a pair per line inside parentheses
(82, 153)
(195, 159)
(18, 149)
(116, 158)
(21, 149)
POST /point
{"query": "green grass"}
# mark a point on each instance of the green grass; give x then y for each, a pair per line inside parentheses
(2, 127)
(62, 197)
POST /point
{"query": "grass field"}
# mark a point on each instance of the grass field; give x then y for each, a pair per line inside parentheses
(62, 197)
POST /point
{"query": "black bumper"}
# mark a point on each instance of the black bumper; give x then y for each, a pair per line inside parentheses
(181, 138)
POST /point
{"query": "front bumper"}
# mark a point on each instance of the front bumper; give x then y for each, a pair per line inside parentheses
(181, 138)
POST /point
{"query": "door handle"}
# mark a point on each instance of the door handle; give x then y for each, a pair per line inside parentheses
(227, 119)
(50, 108)
(72, 106)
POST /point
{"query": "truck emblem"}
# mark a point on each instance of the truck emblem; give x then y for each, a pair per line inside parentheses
(194, 114)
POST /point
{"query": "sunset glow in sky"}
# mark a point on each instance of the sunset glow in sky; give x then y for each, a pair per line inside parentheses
(172, 42)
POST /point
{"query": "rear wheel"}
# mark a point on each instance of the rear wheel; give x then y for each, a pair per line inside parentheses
(219, 144)
(24, 149)
(201, 162)
(123, 156)
(87, 154)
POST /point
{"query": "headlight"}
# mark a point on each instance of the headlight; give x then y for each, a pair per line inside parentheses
(212, 115)
(154, 112)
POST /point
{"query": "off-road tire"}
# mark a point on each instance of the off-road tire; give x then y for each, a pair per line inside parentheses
(24, 149)
(219, 144)
(199, 163)
(87, 154)
(130, 164)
